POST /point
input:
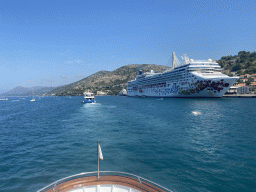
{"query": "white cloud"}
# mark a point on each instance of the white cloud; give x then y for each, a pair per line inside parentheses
(61, 80)
(81, 75)
(64, 76)
(76, 61)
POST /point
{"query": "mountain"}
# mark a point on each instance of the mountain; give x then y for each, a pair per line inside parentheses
(3, 91)
(70, 89)
(27, 91)
(111, 82)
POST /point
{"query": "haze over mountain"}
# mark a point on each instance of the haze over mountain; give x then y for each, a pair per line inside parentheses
(3, 91)
(27, 91)
(107, 81)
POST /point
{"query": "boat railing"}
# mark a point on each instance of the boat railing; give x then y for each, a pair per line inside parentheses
(89, 174)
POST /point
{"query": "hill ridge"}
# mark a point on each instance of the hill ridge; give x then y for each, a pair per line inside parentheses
(111, 82)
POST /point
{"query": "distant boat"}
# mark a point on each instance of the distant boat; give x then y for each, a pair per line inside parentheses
(33, 99)
(89, 97)
(123, 92)
(3, 99)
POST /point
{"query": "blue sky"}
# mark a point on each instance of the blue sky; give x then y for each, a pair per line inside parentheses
(55, 42)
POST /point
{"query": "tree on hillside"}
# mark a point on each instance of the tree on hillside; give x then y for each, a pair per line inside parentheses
(240, 53)
(247, 82)
(244, 62)
(236, 67)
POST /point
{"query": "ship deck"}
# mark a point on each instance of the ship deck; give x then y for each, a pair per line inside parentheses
(112, 182)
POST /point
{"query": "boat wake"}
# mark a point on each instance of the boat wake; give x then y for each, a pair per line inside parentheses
(196, 113)
(87, 105)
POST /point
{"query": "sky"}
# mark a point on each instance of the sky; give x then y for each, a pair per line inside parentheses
(57, 42)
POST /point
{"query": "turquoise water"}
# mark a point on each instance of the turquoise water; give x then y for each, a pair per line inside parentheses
(182, 144)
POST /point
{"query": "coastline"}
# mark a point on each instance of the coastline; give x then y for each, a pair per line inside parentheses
(241, 95)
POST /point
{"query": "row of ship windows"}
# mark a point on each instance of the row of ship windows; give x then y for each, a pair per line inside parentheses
(166, 77)
(150, 81)
(202, 70)
(184, 81)
(169, 80)
(149, 88)
(154, 82)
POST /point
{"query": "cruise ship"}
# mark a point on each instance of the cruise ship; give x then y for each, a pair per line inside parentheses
(191, 78)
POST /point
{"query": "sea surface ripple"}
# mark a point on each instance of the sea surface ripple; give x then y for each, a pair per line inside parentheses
(182, 144)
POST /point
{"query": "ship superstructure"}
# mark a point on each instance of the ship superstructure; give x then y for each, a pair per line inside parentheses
(189, 79)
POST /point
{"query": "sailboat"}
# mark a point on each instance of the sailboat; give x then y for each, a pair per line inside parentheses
(33, 99)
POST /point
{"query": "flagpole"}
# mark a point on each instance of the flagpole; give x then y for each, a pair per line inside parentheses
(98, 161)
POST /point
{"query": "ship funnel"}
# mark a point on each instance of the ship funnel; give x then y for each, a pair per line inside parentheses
(173, 60)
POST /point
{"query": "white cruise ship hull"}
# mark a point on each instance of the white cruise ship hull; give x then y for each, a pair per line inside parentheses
(184, 89)
(192, 79)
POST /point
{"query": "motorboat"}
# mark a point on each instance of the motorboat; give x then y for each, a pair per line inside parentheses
(89, 97)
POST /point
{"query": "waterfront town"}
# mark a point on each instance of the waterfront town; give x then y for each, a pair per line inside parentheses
(246, 84)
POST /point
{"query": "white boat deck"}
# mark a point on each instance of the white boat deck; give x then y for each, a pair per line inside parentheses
(112, 182)
(105, 188)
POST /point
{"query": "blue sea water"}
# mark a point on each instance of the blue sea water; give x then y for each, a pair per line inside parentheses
(182, 144)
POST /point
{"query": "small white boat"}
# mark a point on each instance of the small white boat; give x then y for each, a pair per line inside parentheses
(123, 92)
(3, 99)
(89, 97)
(33, 99)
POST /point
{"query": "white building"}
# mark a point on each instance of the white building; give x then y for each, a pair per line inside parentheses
(232, 90)
(101, 93)
(243, 90)
(238, 90)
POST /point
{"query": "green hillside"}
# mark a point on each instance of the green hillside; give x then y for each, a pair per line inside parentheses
(111, 82)
(243, 63)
